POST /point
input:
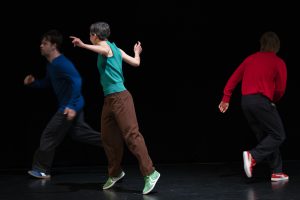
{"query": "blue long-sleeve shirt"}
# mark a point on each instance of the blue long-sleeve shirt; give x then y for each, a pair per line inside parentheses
(65, 81)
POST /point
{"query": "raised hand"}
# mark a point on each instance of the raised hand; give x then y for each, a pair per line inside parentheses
(76, 41)
(137, 48)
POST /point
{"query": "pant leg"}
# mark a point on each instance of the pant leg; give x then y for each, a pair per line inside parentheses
(82, 132)
(275, 161)
(125, 116)
(268, 128)
(51, 137)
(111, 139)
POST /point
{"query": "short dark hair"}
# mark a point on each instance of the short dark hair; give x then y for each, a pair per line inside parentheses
(101, 29)
(54, 37)
(269, 41)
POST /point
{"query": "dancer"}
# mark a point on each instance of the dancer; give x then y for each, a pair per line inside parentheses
(65, 80)
(118, 120)
(263, 76)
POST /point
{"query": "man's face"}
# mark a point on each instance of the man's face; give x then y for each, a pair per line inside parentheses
(46, 47)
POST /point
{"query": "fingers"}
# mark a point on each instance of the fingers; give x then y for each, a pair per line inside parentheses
(223, 107)
(70, 113)
(28, 79)
(137, 44)
(25, 80)
(222, 110)
(74, 40)
(138, 47)
(66, 111)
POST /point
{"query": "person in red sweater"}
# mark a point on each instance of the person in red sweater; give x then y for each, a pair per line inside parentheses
(263, 77)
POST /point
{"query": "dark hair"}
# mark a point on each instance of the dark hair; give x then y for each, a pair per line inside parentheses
(101, 29)
(269, 41)
(54, 37)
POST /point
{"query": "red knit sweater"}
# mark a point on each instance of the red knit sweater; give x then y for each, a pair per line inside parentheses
(261, 72)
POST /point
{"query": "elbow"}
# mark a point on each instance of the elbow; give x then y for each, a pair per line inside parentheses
(135, 64)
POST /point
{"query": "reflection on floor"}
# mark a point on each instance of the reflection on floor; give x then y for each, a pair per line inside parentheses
(189, 181)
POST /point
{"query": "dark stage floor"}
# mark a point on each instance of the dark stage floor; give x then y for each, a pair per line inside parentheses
(212, 181)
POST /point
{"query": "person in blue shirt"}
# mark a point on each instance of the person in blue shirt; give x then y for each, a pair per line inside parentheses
(118, 120)
(66, 82)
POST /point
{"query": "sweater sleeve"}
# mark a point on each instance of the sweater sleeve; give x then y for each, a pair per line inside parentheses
(280, 82)
(75, 84)
(67, 84)
(232, 82)
(42, 83)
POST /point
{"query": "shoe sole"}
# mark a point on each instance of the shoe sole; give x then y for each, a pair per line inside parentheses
(105, 188)
(152, 186)
(41, 177)
(279, 179)
(246, 164)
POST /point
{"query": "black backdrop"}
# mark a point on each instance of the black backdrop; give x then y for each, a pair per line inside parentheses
(189, 52)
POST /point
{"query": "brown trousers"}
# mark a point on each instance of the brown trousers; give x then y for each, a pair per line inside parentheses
(119, 124)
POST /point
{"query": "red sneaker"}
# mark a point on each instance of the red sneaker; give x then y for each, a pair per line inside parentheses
(249, 163)
(279, 177)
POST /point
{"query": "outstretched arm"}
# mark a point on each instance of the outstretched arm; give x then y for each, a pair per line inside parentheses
(29, 80)
(103, 50)
(133, 61)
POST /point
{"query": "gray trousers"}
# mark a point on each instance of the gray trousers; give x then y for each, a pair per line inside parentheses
(54, 133)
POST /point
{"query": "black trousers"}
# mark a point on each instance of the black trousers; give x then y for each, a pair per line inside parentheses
(267, 126)
(54, 133)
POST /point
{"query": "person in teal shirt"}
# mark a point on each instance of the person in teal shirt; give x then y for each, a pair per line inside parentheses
(118, 120)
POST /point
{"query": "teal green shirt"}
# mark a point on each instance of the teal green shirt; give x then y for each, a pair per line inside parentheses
(110, 69)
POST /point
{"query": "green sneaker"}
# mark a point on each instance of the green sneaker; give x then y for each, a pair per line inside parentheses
(112, 180)
(150, 182)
